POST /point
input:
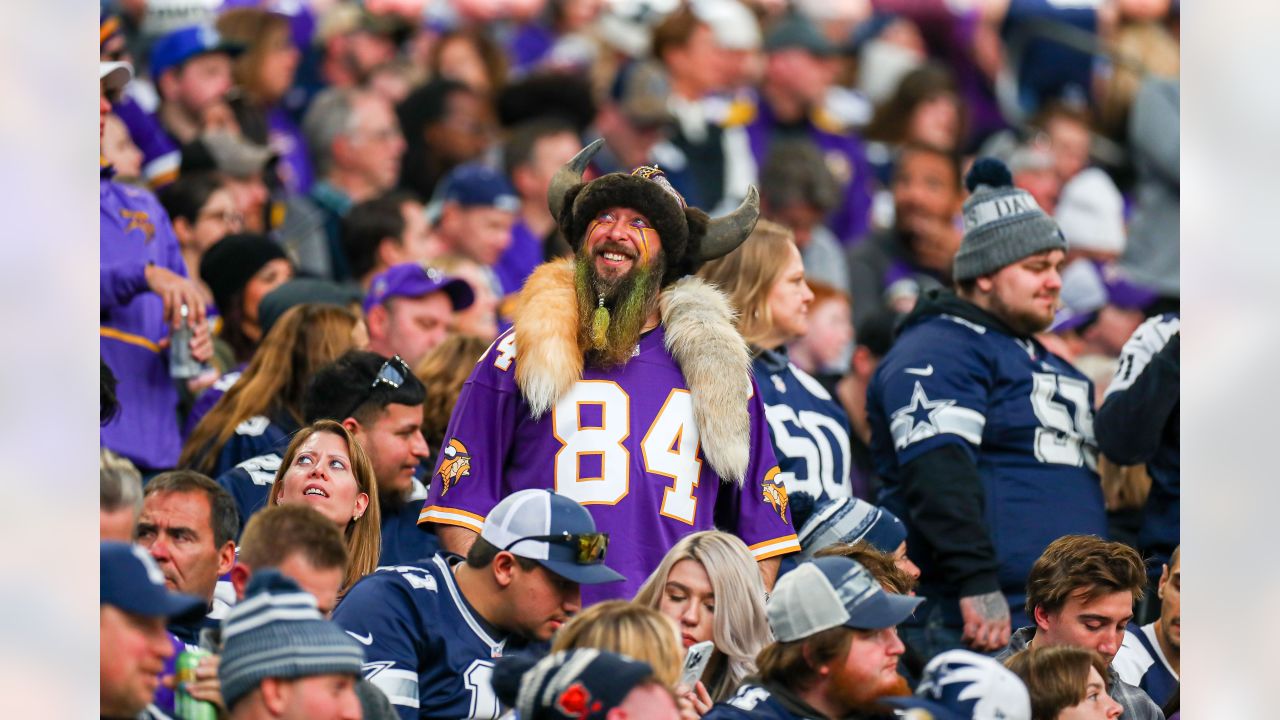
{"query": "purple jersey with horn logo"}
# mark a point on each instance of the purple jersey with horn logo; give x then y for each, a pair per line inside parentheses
(624, 443)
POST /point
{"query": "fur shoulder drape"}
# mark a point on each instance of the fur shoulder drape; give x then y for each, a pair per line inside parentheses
(699, 335)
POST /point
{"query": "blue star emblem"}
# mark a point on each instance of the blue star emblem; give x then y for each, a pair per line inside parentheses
(921, 412)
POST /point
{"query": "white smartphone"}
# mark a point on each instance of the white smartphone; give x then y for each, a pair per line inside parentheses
(695, 662)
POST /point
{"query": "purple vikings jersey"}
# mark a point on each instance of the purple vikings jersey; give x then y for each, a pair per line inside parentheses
(423, 644)
(622, 442)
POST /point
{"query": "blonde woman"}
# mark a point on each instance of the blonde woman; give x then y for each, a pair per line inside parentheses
(764, 279)
(709, 585)
(639, 632)
(325, 467)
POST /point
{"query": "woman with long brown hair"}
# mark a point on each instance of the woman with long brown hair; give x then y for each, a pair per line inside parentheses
(764, 279)
(326, 468)
(264, 406)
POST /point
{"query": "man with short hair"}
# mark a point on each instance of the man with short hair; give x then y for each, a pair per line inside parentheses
(983, 438)
(134, 605)
(835, 649)
(410, 309)
(189, 525)
(281, 659)
(380, 402)
(892, 268)
(355, 144)
(800, 71)
(475, 209)
(1080, 592)
(797, 190)
(192, 71)
(630, 390)
(1151, 656)
(387, 230)
(432, 627)
(531, 156)
(301, 544)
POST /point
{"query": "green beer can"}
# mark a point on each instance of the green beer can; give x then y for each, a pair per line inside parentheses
(186, 707)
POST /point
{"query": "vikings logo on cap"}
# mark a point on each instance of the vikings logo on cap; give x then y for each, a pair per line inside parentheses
(655, 175)
(456, 465)
(775, 493)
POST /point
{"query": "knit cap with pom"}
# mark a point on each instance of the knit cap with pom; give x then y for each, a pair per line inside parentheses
(1002, 223)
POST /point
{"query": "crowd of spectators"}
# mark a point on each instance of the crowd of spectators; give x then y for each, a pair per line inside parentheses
(639, 359)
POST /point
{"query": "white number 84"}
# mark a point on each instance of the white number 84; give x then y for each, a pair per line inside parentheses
(669, 447)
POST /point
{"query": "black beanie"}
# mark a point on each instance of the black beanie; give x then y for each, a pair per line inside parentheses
(229, 265)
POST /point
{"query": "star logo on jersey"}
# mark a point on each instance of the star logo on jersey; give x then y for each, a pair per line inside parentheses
(776, 494)
(456, 465)
(921, 413)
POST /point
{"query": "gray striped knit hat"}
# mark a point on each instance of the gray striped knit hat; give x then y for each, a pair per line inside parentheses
(277, 632)
(1002, 223)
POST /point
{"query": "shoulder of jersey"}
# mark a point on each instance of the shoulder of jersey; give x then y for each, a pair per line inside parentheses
(735, 112)
(808, 382)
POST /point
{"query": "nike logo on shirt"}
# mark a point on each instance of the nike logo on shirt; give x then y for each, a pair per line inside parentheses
(925, 371)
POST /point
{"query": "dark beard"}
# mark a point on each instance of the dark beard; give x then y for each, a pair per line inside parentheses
(1024, 324)
(628, 299)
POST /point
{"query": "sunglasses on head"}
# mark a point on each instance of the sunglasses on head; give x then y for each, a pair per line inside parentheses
(590, 547)
(392, 374)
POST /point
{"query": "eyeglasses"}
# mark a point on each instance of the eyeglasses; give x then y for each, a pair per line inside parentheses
(230, 217)
(590, 547)
(392, 374)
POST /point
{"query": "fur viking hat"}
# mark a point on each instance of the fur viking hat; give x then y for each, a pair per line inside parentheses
(689, 237)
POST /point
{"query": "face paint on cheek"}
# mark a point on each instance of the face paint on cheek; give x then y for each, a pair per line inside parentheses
(644, 244)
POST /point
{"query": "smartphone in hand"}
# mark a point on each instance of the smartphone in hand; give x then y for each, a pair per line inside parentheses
(695, 662)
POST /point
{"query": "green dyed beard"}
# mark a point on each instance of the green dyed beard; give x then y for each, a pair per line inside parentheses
(627, 304)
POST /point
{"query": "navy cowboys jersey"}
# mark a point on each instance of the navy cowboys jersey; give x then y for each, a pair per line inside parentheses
(424, 647)
(809, 429)
(755, 702)
(1023, 414)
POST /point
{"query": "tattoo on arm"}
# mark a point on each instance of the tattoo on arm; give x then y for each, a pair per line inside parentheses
(992, 606)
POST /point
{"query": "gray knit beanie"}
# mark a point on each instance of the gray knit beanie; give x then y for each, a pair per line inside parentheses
(1002, 223)
(277, 632)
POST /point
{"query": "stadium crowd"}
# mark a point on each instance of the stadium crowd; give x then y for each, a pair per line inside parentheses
(639, 359)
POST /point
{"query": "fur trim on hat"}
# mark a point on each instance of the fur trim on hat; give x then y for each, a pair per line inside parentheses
(700, 336)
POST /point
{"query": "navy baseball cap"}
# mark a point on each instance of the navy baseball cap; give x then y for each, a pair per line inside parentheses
(963, 685)
(185, 43)
(301, 291)
(413, 280)
(580, 684)
(130, 580)
(552, 530)
(476, 184)
(832, 592)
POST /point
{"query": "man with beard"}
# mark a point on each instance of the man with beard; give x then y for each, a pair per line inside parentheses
(984, 439)
(836, 649)
(623, 385)
(1150, 656)
(893, 267)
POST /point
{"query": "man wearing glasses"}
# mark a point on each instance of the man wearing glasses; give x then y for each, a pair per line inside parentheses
(432, 628)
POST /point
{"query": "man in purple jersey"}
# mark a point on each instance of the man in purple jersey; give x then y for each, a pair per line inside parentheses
(630, 390)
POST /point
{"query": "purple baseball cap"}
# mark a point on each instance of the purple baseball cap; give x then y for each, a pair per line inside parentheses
(414, 281)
